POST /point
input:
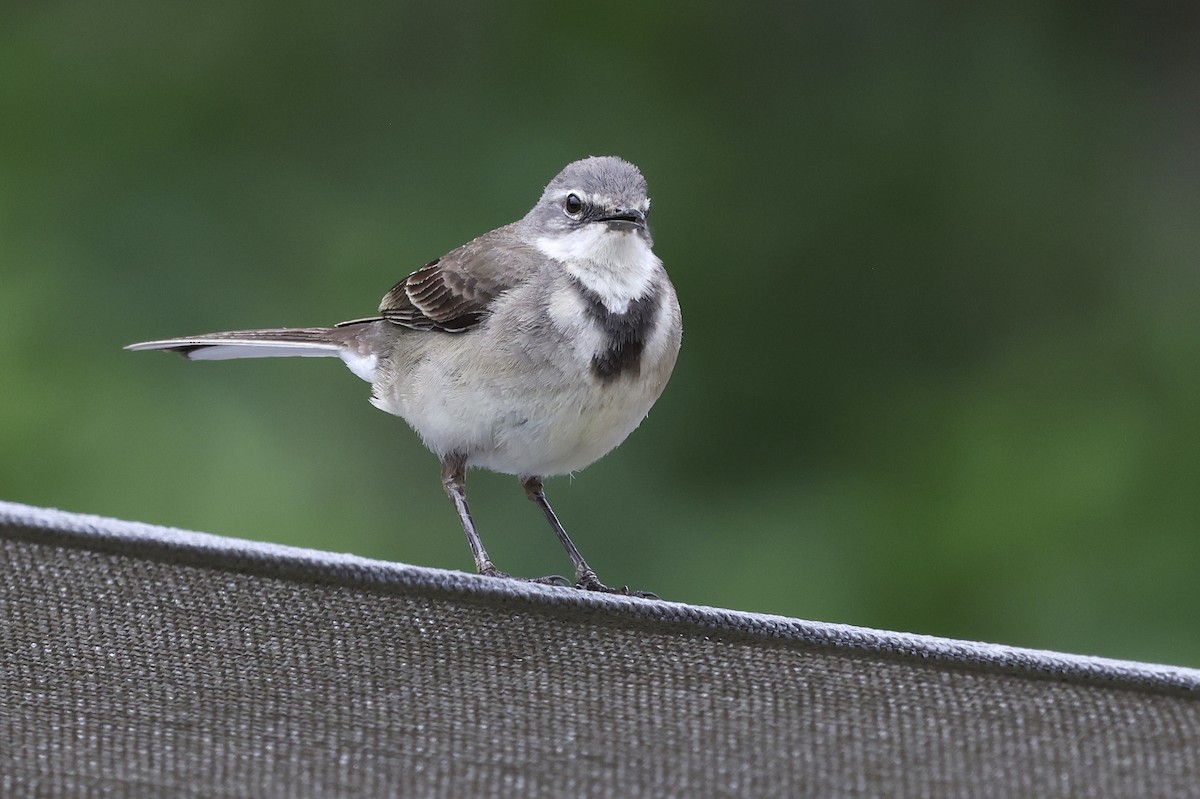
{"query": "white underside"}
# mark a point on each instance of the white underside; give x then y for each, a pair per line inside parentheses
(363, 366)
(517, 425)
(227, 351)
(233, 349)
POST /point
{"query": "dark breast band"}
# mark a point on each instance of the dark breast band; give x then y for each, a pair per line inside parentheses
(624, 334)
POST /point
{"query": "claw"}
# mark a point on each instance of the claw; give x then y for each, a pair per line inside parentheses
(550, 579)
(588, 581)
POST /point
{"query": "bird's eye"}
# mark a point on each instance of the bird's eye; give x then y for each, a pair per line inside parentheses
(573, 205)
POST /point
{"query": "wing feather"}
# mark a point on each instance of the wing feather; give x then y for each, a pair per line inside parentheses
(454, 293)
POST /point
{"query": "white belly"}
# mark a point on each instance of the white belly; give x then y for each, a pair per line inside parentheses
(567, 431)
(515, 421)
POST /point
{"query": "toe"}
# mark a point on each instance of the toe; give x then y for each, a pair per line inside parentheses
(589, 582)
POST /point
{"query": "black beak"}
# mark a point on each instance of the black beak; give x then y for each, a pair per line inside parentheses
(625, 219)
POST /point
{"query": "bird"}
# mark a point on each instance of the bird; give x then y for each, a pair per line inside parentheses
(533, 350)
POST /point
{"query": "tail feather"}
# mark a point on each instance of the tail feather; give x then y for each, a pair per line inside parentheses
(304, 342)
(276, 342)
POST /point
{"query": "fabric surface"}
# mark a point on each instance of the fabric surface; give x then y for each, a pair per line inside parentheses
(146, 661)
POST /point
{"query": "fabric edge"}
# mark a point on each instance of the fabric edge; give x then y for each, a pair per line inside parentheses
(54, 527)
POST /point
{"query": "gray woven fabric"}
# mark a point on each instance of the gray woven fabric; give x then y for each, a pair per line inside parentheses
(145, 661)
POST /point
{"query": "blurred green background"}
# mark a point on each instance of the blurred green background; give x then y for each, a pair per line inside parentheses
(940, 273)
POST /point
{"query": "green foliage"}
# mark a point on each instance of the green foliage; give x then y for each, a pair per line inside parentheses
(938, 269)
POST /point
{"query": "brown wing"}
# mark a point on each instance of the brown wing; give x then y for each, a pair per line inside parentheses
(453, 293)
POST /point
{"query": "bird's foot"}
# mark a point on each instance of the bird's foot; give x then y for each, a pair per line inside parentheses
(552, 579)
(549, 579)
(588, 581)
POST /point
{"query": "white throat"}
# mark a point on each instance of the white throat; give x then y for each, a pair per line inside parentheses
(617, 265)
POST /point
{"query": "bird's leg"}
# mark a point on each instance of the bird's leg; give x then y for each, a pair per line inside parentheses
(585, 578)
(454, 480)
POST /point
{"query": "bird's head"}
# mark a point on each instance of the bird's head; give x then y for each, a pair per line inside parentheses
(596, 204)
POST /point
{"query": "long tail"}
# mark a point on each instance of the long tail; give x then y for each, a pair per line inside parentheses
(344, 341)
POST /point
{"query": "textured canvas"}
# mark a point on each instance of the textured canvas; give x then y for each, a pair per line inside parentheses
(144, 661)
